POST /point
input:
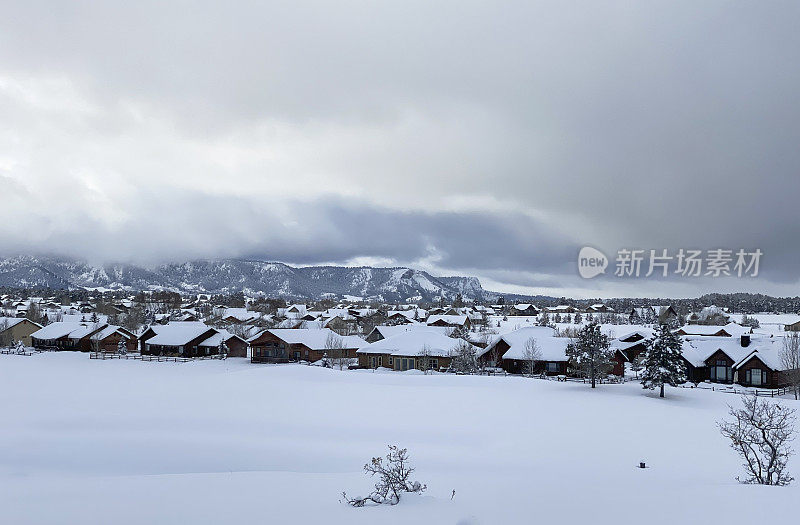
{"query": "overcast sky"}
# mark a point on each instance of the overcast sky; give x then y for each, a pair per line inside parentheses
(477, 138)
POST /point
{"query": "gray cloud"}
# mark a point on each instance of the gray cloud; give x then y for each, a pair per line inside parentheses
(461, 136)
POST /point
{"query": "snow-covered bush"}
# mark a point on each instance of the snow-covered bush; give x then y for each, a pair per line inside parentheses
(464, 359)
(393, 479)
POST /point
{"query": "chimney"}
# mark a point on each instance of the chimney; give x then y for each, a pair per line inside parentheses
(745, 338)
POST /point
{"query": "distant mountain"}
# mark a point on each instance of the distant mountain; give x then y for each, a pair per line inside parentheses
(229, 275)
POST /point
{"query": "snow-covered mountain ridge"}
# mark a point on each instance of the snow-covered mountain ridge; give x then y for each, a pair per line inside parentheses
(229, 275)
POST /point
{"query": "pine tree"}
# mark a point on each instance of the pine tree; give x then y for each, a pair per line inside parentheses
(589, 353)
(122, 347)
(663, 361)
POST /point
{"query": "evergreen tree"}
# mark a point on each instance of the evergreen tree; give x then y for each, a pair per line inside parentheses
(544, 319)
(122, 347)
(662, 361)
(578, 318)
(589, 353)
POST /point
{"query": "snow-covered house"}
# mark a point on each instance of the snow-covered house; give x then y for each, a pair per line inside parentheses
(294, 311)
(631, 344)
(66, 335)
(17, 329)
(107, 339)
(279, 344)
(421, 348)
(508, 351)
(177, 338)
(599, 308)
(746, 360)
(237, 346)
(792, 326)
(385, 331)
(523, 309)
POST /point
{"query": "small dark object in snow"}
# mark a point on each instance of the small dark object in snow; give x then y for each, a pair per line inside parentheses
(642, 465)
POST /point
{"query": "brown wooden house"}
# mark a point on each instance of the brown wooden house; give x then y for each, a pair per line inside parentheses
(178, 339)
(286, 344)
(107, 340)
(14, 329)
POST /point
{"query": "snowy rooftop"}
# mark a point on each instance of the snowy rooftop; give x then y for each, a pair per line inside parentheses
(8, 322)
(177, 334)
(411, 343)
(214, 340)
(389, 331)
(449, 319)
(314, 339)
(552, 348)
(697, 350)
(108, 330)
(58, 330)
(85, 330)
(733, 329)
(519, 335)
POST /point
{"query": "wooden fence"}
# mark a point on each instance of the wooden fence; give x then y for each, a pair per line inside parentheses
(732, 389)
(14, 352)
(156, 358)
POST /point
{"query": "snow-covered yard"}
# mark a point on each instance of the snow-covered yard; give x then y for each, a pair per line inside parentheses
(229, 442)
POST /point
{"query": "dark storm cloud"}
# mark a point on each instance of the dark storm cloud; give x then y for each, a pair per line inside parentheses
(649, 125)
(172, 226)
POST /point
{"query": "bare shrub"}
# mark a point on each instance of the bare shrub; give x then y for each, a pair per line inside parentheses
(760, 433)
(393, 479)
(790, 360)
(530, 356)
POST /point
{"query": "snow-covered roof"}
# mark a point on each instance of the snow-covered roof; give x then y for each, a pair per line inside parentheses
(389, 331)
(178, 333)
(449, 319)
(58, 330)
(768, 350)
(8, 322)
(109, 330)
(645, 333)
(315, 339)
(552, 347)
(622, 346)
(214, 340)
(697, 350)
(733, 329)
(411, 343)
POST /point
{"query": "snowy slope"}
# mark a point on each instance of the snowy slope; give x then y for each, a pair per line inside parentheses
(127, 442)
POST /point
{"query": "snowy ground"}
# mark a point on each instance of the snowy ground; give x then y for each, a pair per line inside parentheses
(128, 442)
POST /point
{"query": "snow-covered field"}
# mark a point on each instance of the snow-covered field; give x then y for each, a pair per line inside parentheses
(128, 442)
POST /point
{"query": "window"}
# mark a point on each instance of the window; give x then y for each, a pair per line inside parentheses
(721, 371)
(754, 376)
(552, 367)
(433, 364)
